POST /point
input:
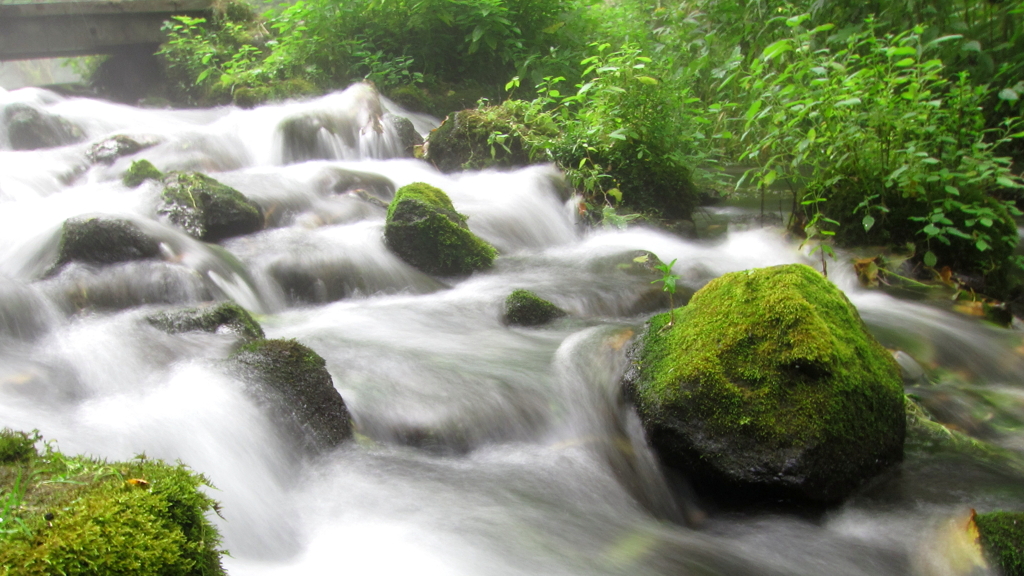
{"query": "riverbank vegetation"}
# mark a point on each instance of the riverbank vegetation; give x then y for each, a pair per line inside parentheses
(893, 124)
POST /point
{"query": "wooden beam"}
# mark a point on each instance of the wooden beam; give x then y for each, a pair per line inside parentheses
(33, 9)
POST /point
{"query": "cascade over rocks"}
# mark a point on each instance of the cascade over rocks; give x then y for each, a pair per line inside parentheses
(769, 387)
(104, 240)
(29, 128)
(292, 383)
(423, 228)
(224, 316)
(524, 308)
(206, 209)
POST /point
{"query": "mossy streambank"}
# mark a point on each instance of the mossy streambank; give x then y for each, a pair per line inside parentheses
(76, 515)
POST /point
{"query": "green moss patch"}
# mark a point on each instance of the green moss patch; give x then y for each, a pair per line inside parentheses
(206, 209)
(139, 172)
(77, 515)
(524, 308)
(424, 229)
(1002, 538)
(769, 386)
(463, 141)
(209, 319)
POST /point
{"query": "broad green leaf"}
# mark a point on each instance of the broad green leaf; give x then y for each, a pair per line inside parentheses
(755, 106)
(1004, 181)
(823, 28)
(986, 222)
(906, 62)
(647, 80)
(942, 39)
(972, 46)
(981, 245)
(901, 51)
(930, 260)
(770, 177)
(615, 193)
(952, 190)
(848, 102)
(776, 49)
(868, 222)
(931, 230)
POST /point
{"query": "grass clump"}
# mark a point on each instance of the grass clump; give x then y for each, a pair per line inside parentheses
(79, 515)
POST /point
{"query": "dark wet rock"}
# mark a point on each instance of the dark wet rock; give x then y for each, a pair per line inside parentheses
(109, 149)
(206, 209)
(768, 387)
(407, 135)
(139, 172)
(225, 316)
(423, 228)
(341, 181)
(292, 383)
(29, 128)
(524, 308)
(104, 240)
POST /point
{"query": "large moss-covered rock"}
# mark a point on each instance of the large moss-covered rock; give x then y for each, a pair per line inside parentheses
(77, 515)
(29, 128)
(424, 229)
(224, 316)
(1002, 539)
(461, 142)
(206, 209)
(293, 384)
(104, 240)
(768, 386)
(524, 308)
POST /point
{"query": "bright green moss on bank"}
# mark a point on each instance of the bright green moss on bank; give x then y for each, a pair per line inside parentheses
(424, 229)
(769, 378)
(1002, 538)
(76, 515)
(139, 172)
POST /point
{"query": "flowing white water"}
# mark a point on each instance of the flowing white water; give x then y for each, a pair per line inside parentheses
(482, 448)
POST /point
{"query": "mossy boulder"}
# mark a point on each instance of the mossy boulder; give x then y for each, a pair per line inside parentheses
(423, 228)
(524, 308)
(206, 209)
(76, 515)
(225, 316)
(29, 128)
(139, 172)
(1002, 539)
(768, 387)
(293, 384)
(104, 240)
(461, 142)
(109, 149)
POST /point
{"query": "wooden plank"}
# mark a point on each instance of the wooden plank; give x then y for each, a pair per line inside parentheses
(63, 36)
(99, 7)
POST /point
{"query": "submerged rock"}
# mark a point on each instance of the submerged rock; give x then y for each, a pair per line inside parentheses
(29, 128)
(139, 172)
(1002, 539)
(423, 228)
(767, 387)
(206, 209)
(224, 316)
(293, 384)
(524, 308)
(104, 240)
(109, 149)
(407, 135)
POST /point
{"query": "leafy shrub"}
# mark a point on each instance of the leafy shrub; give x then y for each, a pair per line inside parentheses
(887, 143)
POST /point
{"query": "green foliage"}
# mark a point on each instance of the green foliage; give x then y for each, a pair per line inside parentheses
(77, 515)
(17, 446)
(875, 118)
(668, 284)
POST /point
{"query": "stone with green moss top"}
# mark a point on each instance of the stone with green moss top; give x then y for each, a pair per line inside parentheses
(223, 316)
(423, 228)
(292, 383)
(206, 209)
(78, 515)
(524, 308)
(769, 387)
(139, 172)
(103, 240)
(1002, 539)
(461, 142)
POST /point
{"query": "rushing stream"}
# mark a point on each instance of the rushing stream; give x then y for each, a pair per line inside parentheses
(481, 449)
